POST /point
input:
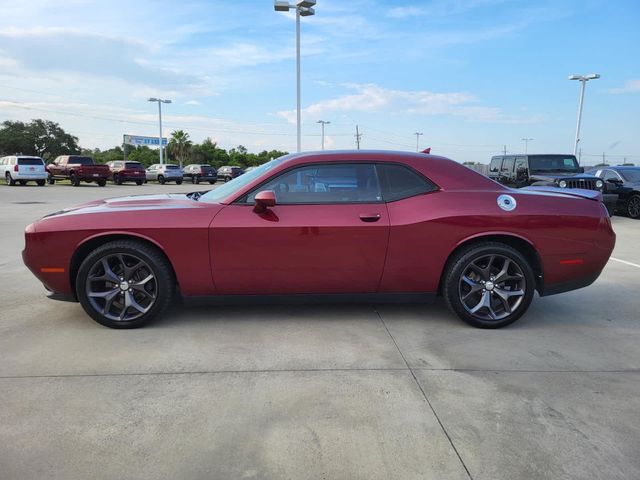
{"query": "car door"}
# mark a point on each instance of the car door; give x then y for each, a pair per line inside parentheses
(327, 233)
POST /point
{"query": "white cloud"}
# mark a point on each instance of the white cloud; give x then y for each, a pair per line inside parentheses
(194, 103)
(631, 86)
(403, 12)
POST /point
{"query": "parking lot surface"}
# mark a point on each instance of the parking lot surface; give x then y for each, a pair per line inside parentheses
(336, 392)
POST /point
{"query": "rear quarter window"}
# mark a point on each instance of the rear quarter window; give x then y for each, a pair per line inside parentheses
(398, 182)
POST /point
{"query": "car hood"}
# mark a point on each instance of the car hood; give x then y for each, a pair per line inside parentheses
(560, 175)
(164, 201)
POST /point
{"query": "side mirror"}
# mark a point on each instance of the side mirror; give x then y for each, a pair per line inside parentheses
(580, 169)
(264, 200)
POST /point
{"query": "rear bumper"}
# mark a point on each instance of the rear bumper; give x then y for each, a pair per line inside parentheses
(574, 284)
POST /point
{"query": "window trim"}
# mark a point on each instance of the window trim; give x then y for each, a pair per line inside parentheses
(243, 199)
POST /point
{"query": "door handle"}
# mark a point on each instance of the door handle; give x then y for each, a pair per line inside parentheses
(369, 217)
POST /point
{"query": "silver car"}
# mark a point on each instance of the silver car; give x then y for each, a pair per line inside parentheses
(164, 173)
(23, 169)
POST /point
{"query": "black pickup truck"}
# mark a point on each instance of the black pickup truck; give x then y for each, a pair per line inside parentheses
(549, 170)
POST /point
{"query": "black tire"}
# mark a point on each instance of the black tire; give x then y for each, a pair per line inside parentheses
(461, 291)
(211, 182)
(22, 182)
(51, 180)
(75, 181)
(102, 183)
(633, 206)
(40, 183)
(160, 289)
(10, 181)
(161, 179)
(178, 182)
(196, 180)
(116, 179)
(226, 179)
(139, 182)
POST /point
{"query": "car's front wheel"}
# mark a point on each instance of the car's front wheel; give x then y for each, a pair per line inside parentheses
(633, 206)
(161, 180)
(489, 285)
(125, 284)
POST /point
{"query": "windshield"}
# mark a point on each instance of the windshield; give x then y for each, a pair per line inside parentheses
(240, 182)
(553, 163)
(631, 175)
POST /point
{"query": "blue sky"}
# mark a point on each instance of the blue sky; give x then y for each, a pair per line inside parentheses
(471, 75)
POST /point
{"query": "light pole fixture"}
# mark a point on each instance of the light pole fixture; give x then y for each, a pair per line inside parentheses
(160, 102)
(526, 144)
(418, 134)
(323, 123)
(303, 8)
(583, 81)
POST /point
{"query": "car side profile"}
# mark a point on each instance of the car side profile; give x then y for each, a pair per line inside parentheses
(22, 169)
(126, 171)
(164, 172)
(197, 173)
(360, 225)
(229, 172)
(625, 183)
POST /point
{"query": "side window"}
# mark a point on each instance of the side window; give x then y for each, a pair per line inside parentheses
(610, 174)
(400, 182)
(507, 165)
(521, 163)
(494, 167)
(328, 183)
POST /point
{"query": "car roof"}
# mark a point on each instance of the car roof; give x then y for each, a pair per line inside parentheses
(621, 167)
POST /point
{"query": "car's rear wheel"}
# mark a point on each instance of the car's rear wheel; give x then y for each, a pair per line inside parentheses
(116, 179)
(161, 179)
(51, 180)
(139, 182)
(75, 180)
(40, 183)
(633, 206)
(103, 182)
(178, 182)
(489, 285)
(125, 284)
(197, 179)
(10, 181)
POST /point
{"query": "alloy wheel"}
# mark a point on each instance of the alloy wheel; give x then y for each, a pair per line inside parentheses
(633, 207)
(492, 287)
(121, 286)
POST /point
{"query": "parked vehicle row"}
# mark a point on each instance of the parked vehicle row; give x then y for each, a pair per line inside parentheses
(78, 168)
(625, 183)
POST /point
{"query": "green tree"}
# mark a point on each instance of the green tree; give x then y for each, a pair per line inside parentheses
(39, 137)
(179, 145)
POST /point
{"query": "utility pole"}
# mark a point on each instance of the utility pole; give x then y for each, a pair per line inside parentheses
(580, 156)
(504, 149)
(418, 134)
(526, 144)
(358, 135)
(604, 162)
(323, 123)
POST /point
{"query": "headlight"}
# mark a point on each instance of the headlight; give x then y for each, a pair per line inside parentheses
(599, 184)
(562, 184)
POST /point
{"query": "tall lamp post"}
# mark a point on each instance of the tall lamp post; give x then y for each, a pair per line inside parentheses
(583, 81)
(303, 8)
(323, 123)
(418, 134)
(526, 144)
(160, 102)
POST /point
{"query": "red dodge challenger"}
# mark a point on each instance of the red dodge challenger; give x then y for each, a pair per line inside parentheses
(354, 225)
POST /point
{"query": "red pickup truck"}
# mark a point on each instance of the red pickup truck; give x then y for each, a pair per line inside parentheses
(77, 168)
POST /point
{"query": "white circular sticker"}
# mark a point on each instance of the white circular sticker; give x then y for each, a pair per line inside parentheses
(507, 202)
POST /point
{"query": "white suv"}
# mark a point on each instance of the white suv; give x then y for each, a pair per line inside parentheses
(23, 169)
(164, 173)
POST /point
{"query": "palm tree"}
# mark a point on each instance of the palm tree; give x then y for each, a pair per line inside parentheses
(179, 145)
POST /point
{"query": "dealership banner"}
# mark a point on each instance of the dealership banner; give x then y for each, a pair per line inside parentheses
(139, 140)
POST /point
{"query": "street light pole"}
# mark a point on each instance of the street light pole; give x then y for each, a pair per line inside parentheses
(323, 123)
(160, 102)
(303, 8)
(526, 144)
(417, 134)
(583, 81)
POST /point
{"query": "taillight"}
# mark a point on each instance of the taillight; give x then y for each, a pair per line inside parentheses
(15, 167)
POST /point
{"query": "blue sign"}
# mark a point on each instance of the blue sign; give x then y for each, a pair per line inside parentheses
(137, 140)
